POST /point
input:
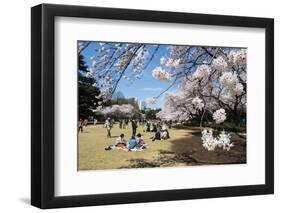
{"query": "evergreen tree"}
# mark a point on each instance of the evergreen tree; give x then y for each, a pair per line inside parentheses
(87, 92)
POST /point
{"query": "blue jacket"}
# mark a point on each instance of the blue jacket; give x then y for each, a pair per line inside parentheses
(132, 143)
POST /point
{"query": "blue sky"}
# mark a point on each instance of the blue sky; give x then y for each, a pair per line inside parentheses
(142, 88)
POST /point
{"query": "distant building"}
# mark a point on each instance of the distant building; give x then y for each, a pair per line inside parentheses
(118, 95)
(142, 105)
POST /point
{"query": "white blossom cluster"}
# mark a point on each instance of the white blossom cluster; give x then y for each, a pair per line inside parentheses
(139, 61)
(104, 94)
(224, 141)
(98, 109)
(175, 108)
(219, 116)
(231, 82)
(151, 100)
(237, 58)
(81, 45)
(111, 60)
(220, 64)
(198, 103)
(126, 77)
(123, 110)
(233, 58)
(160, 74)
(169, 62)
(237, 89)
(202, 72)
(90, 74)
(174, 116)
(228, 79)
(210, 142)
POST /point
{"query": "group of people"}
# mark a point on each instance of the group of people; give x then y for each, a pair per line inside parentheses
(123, 123)
(135, 143)
(109, 124)
(161, 131)
(84, 122)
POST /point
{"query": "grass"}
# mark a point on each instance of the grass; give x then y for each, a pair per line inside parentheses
(183, 148)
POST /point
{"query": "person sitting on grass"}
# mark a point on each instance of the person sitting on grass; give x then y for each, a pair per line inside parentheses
(140, 142)
(165, 132)
(164, 135)
(119, 144)
(157, 135)
(151, 127)
(147, 127)
(132, 143)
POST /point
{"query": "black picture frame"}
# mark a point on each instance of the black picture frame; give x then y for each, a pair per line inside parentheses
(43, 111)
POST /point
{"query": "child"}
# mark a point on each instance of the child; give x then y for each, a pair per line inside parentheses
(140, 142)
(120, 143)
(133, 143)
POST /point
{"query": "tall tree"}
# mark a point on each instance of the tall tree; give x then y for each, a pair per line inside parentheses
(88, 90)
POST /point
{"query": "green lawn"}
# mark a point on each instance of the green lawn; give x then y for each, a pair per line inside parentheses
(182, 149)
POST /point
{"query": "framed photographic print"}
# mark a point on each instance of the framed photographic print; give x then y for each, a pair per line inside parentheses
(136, 106)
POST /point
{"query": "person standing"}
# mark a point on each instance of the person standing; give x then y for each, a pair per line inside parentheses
(80, 125)
(108, 127)
(120, 123)
(134, 127)
(85, 122)
(95, 122)
(123, 124)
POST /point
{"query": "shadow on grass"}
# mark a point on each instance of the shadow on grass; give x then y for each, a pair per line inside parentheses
(189, 151)
(192, 146)
(142, 163)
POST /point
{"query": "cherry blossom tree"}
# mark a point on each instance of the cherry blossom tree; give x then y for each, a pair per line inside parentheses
(219, 83)
(125, 110)
(216, 86)
(111, 62)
